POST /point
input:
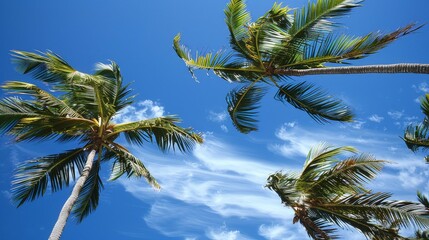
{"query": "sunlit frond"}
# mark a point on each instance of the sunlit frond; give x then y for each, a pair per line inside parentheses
(163, 130)
(43, 98)
(242, 106)
(32, 177)
(346, 176)
(314, 20)
(337, 49)
(320, 106)
(237, 19)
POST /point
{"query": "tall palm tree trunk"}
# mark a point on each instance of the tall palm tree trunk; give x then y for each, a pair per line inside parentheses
(387, 68)
(68, 205)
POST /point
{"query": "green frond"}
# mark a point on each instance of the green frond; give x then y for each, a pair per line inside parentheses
(423, 199)
(314, 20)
(337, 49)
(320, 106)
(424, 105)
(242, 106)
(417, 137)
(376, 206)
(163, 130)
(347, 176)
(45, 99)
(127, 163)
(319, 160)
(83, 99)
(50, 68)
(88, 198)
(43, 127)
(237, 19)
(120, 95)
(32, 177)
(12, 110)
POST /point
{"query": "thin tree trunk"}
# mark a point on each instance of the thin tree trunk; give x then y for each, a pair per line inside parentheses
(388, 68)
(68, 205)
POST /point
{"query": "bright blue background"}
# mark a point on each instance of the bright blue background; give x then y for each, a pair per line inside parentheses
(138, 36)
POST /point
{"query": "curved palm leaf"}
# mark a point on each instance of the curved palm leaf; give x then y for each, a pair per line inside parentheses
(32, 177)
(314, 20)
(242, 105)
(55, 105)
(163, 129)
(88, 198)
(127, 163)
(320, 106)
(236, 18)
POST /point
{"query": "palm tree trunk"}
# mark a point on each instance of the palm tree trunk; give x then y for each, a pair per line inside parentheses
(388, 68)
(68, 205)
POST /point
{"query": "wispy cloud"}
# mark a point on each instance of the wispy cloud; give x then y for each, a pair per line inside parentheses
(224, 234)
(217, 116)
(396, 115)
(273, 232)
(145, 110)
(217, 182)
(422, 87)
(376, 118)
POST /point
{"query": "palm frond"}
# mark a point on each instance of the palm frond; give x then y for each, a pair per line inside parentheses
(423, 199)
(376, 206)
(320, 106)
(337, 49)
(417, 137)
(163, 130)
(12, 110)
(242, 106)
(125, 162)
(47, 100)
(32, 177)
(314, 20)
(237, 18)
(88, 198)
(50, 68)
(44, 127)
(320, 160)
(347, 176)
(120, 96)
(317, 228)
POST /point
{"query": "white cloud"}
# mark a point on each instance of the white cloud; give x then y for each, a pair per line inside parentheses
(224, 234)
(217, 182)
(224, 128)
(376, 118)
(145, 110)
(422, 87)
(274, 232)
(396, 115)
(217, 116)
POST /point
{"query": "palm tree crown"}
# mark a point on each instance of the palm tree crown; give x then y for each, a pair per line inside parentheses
(416, 136)
(330, 192)
(81, 110)
(284, 43)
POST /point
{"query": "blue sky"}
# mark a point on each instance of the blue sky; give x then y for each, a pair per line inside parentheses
(216, 191)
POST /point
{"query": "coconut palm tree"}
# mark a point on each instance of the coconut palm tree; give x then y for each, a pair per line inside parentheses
(416, 136)
(285, 43)
(79, 107)
(330, 192)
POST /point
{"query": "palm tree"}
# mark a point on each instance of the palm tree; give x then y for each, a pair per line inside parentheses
(422, 235)
(416, 136)
(82, 110)
(330, 192)
(285, 43)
